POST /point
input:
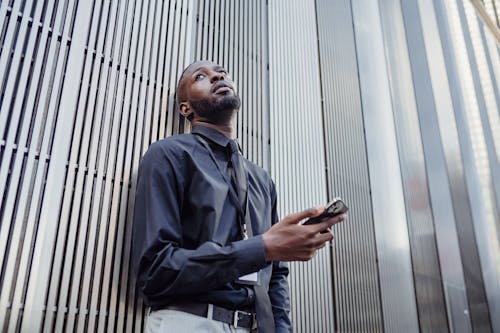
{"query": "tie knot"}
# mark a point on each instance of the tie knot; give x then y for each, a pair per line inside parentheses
(233, 146)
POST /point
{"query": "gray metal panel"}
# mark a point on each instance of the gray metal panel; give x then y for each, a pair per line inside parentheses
(49, 70)
(297, 151)
(426, 270)
(355, 272)
(463, 174)
(432, 95)
(396, 282)
(493, 9)
(488, 106)
(85, 87)
(479, 178)
(117, 96)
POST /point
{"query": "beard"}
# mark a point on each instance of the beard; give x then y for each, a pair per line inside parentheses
(218, 111)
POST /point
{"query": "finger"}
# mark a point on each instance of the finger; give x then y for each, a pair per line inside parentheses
(339, 218)
(330, 222)
(322, 239)
(319, 227)
(329, 230)
(297, 217)
(321, 246)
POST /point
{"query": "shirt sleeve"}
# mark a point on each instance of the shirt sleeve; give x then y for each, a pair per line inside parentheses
(163, 267)
(278, 286)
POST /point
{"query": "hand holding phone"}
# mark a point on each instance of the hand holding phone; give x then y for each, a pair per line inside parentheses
(289, 240)
(335, 207)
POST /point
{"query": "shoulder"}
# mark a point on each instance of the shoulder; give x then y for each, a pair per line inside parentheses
(258, 172)
(171, 146)
(173, 143)
(172, 150)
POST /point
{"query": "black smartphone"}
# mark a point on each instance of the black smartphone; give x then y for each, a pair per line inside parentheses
(335, 207)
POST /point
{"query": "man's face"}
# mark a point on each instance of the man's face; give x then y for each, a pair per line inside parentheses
(207, 89)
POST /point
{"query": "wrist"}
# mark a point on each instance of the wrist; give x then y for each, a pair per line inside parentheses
(268, 253)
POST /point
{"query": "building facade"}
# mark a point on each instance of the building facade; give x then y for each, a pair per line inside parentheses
(392, 105)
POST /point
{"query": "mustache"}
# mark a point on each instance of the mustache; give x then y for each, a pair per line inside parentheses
(220, 84)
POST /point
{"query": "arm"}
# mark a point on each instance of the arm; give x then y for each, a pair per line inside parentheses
(164, 268)
(278, 286)
(280, 297)
(288, 240)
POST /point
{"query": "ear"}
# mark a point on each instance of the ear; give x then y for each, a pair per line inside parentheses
(185, 109)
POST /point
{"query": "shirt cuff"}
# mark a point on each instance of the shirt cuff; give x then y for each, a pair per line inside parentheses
(251, 254)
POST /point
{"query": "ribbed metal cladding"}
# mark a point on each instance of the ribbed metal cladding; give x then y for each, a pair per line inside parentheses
(424, 250)
(354, 273)
(37, 40)
(464, 183)
(481, 122)
(476, 146)
(389, 215)
(392, 105)
(86, 87)
(493, 9)
(488, 99)
(297, 151)
(440, 284)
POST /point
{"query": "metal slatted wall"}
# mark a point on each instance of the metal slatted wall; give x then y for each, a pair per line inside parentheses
(117, 98)
(297, 159)
(389, 208)
(481, 119)
(36, 41)
(354, 273)
(441, 224)
(419, 69)
(492, 7)
(393, 106)
(439, 279)
(457, 152)
(480, 230)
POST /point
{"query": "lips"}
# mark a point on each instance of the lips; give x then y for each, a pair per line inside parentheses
(221, 87)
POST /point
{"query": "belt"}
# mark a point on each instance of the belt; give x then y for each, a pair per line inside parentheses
(237, 318)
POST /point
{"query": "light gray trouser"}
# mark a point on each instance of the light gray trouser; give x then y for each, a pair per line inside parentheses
(165, 321)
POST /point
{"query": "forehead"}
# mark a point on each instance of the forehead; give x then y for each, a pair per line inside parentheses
(201, 65)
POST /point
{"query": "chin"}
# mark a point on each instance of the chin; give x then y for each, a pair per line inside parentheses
(218, 111)
(229, 102)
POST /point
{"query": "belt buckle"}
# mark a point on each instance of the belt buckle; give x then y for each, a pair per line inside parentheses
(236, 318)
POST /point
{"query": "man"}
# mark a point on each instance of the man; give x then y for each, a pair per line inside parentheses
(208, 247)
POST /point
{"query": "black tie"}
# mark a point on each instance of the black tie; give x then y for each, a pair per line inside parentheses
(239, 179)
(263, 309)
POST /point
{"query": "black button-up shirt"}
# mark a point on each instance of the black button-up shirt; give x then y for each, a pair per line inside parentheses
(187, 239)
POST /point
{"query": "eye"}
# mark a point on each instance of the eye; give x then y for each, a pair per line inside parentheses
(199, 76)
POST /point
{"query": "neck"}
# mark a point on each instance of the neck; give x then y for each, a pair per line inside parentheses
(227, 128)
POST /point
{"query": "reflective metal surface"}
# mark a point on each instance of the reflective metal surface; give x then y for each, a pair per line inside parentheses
(297, 151)
(477, 172)
(427, 275)
(354, 255)
(392, 105)
(457, 147)
(391, 231)
(433, 96)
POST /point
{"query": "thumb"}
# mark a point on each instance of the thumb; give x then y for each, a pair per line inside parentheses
(299, 216)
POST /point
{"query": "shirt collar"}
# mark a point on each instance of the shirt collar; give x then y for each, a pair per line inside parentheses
(211, 134)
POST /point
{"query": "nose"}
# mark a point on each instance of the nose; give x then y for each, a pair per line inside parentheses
(217, 76)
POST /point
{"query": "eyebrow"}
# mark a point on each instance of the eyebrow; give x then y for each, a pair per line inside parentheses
(218, 68)
(215, 68)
